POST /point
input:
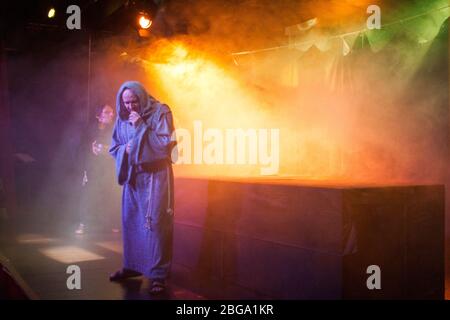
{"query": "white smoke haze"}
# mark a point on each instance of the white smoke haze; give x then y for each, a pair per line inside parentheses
(345, 118)
(376, 115)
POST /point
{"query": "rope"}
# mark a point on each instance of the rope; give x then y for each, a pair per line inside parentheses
(338, 35)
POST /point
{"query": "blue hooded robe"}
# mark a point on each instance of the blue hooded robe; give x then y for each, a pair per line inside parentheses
(147, 178)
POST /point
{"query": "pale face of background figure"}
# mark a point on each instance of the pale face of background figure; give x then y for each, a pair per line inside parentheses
(130, 100)
(107, 115)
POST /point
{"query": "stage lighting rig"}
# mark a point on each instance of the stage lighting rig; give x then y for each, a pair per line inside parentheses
(51, 13)
(144, 20)
(143, 13)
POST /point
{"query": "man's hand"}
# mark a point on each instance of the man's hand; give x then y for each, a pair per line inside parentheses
(98, 148)
(128, 147)
(134, 118)
(95, 149)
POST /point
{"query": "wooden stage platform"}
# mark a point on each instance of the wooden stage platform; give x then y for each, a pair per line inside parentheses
(258, 239)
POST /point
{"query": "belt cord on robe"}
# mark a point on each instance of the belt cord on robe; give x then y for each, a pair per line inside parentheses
(169, 194)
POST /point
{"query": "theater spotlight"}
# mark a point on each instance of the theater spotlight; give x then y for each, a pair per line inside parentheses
(51, 13)
(144, 21)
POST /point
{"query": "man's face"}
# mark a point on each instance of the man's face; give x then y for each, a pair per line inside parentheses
(107, 115)
(131, 101)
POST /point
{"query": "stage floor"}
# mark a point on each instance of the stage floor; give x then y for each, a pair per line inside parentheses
(41, 260)
(40, 247)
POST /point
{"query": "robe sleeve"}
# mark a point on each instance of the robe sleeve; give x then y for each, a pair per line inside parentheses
(118, 151)
(161, 136)
(154, 139)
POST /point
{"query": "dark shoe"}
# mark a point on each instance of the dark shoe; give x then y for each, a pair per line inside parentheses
(157, 287)
(123, 274)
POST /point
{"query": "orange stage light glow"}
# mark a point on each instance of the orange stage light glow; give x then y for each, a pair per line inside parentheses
(144, 22)
(323, 134)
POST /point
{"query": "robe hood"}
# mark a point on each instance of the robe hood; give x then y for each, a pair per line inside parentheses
(146, 101)
(152, 144)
